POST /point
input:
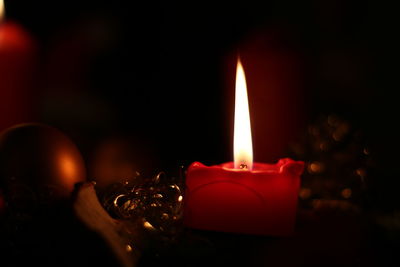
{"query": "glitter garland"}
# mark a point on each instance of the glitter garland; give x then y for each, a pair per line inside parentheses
(156, 202)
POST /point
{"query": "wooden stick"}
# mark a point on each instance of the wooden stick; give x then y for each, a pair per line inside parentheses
(123, 237)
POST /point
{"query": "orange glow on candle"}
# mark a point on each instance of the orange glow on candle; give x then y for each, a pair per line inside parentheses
(242, 141)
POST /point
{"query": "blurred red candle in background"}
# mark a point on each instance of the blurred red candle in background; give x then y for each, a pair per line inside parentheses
(17, 59)
(240, 196)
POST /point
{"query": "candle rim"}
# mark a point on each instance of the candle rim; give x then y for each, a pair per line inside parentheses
(281, 166)
(257, 167)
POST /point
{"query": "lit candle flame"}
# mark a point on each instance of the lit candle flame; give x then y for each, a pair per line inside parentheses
(242, 142)
(2, 10)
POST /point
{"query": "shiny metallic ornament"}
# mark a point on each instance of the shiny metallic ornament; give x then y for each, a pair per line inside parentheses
(38, 165)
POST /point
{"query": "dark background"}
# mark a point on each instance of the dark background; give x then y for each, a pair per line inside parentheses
(162, 69)
(162, 74)
(158, 75)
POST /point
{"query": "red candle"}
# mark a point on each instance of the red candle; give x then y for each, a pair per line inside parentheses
(239, 196)
(17, 56)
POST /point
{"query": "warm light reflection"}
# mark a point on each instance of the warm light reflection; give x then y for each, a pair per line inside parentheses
(242, 142)
(128, 248)
(68, 167)
(148, 225)
(2, 10)
(346, 193)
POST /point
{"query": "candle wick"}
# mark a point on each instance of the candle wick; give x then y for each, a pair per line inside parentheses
(243, 166)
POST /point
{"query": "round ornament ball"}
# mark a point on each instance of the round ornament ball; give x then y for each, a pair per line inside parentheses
(38, 161)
